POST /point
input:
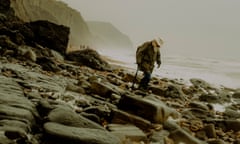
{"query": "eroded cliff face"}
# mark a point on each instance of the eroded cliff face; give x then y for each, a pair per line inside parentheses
(56, 12)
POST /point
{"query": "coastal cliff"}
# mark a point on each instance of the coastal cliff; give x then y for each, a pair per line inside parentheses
(108, 35)
(81, 32)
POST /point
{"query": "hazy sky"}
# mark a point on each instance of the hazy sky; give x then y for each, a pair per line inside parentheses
(204, 28)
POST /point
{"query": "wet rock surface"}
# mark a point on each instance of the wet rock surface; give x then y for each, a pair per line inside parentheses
(48, 99)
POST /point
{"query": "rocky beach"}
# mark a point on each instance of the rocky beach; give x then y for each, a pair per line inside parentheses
(51, 96)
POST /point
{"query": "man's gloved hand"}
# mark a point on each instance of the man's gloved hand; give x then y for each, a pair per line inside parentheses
(158, 66)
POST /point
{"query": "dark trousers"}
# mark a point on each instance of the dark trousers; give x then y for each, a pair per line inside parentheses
(145, 80)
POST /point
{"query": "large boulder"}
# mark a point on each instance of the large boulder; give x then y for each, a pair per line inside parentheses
(148, 107)
(90, 58)
(50, 35)
(105, 89)
(68, 117)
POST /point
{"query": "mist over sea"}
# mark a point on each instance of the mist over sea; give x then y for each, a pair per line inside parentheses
(219, 72)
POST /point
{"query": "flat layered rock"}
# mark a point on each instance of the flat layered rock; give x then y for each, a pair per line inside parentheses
(105, 89)
(76, 135)
(15, 123)
(15, 113)
(123, 117)
(12, 94)
(127, 131)
(14, 105)
(181, 136)
(9, 87)
(29, 78)
(69, 117)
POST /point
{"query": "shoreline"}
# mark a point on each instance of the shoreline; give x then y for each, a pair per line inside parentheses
(167, 70)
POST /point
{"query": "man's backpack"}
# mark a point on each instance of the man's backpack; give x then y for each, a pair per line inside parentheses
(141, 50)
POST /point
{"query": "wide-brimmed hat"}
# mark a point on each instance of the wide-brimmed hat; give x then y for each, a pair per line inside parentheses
(158, 41)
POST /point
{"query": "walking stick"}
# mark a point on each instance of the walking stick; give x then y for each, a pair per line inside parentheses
(135, 78)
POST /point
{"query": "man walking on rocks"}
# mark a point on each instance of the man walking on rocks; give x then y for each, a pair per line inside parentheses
(146, 56)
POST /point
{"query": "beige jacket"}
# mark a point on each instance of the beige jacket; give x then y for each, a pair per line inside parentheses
(146, 56)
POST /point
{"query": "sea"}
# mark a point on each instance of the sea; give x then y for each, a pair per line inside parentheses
(218, 72)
